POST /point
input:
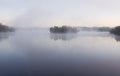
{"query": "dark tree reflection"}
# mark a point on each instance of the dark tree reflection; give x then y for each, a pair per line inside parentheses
(64, 37)
(5, 35)
(116, 37)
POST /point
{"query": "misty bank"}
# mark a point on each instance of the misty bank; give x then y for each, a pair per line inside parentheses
(63, 29)
(4, 28)
(115, 30)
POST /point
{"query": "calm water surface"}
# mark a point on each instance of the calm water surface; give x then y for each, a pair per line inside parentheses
(40, 53)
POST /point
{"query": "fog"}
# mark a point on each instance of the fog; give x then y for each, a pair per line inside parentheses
(29, 48)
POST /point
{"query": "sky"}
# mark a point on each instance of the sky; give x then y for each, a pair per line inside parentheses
(47, 13)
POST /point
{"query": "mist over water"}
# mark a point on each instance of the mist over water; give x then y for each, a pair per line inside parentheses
(37, 52)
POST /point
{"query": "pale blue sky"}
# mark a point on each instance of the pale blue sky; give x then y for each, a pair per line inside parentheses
(46, 13)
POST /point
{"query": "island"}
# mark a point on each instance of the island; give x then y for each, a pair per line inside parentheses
(116, 30)
(4, 28)
(63, 29)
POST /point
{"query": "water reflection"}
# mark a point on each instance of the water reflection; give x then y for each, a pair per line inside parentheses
(37, 53)
(70, 36)
(5, 35)
(116, 37)
(62, 36)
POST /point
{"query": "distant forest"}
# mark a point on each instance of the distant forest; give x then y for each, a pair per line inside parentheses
(5, 28)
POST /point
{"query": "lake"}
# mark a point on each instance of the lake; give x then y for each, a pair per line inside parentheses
(37, 52)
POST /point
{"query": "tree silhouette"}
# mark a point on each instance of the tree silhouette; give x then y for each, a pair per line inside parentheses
(116, 30)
